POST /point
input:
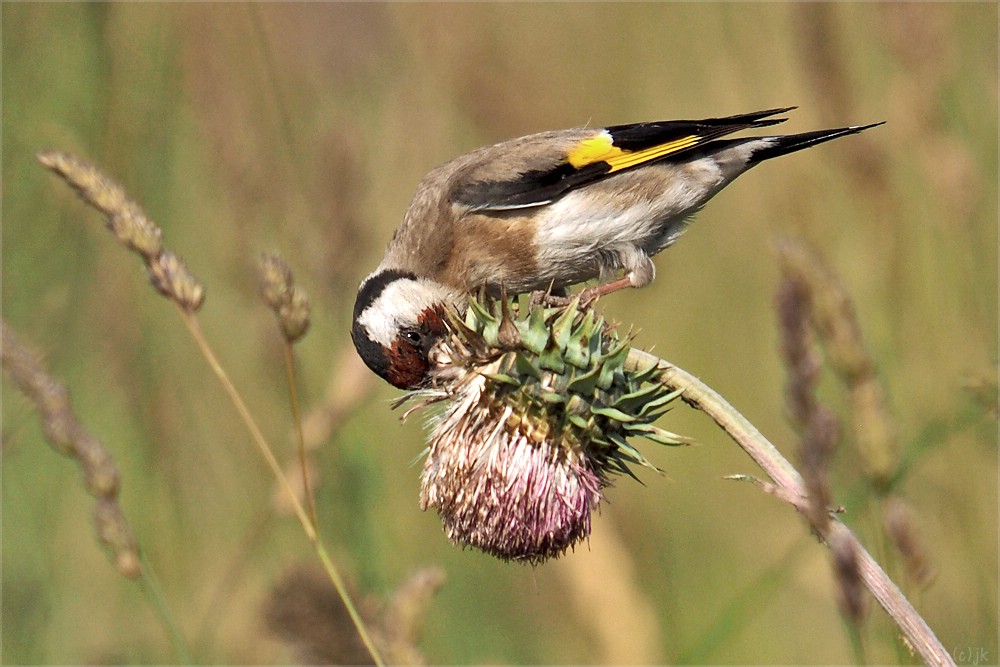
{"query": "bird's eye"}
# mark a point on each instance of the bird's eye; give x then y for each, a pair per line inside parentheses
(412, 336)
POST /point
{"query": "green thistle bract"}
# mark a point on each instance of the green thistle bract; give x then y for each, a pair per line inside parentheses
(540, 408)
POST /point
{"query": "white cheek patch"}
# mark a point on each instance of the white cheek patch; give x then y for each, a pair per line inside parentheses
(400, 305)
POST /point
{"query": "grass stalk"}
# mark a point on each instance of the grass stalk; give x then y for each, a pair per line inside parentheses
(153, 592)
(193, 326)
(130, 225)
(300, 442)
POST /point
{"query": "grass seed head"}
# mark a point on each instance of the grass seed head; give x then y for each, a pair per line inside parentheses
(288, 301)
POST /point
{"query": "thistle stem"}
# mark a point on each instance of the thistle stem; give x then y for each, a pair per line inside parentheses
(790, 487)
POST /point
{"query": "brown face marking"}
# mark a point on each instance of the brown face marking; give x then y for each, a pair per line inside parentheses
(407, 365)
(408, 358)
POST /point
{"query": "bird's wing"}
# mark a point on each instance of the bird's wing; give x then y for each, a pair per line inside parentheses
(536, 170)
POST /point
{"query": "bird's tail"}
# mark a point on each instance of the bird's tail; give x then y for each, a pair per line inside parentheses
(796, 142)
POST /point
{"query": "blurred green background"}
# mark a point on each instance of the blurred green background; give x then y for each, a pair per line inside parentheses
(305, 129)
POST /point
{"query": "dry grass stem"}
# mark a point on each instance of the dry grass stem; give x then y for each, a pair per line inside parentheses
(800, 356)
(67, 436)
(300, 483)
(171, 278)
(125, 219)
(812, 300)
(292, 309)
(265, 450)
(609, 598)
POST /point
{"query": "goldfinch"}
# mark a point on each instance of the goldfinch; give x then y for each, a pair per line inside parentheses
(545, 212)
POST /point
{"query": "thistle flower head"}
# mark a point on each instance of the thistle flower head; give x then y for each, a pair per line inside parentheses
(539, 407)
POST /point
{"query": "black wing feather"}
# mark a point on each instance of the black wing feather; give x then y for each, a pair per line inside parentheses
(537, 187)
(531, 188)
(639, 136)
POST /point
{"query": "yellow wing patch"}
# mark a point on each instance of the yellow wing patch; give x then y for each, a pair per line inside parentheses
(601, 148)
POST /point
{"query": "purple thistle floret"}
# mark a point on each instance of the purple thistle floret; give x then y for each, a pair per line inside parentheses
(502, 486)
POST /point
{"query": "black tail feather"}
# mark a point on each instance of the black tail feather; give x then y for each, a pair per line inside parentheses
(752, 119)
(796, 142)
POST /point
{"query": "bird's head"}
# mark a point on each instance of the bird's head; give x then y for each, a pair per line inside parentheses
(398, 318)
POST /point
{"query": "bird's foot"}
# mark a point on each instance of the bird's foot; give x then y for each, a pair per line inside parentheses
(586, 297)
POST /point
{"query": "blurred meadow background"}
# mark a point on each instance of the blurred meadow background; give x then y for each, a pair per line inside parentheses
(304, 129)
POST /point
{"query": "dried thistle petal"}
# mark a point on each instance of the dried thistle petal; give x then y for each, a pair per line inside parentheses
(533, 427)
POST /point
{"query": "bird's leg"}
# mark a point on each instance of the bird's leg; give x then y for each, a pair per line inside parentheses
(586, 296)
(591, 294)
(639, 272)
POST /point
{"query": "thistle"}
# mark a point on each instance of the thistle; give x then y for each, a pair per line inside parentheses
(540, 407)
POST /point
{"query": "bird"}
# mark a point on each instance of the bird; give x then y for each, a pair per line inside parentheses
(548, 211)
